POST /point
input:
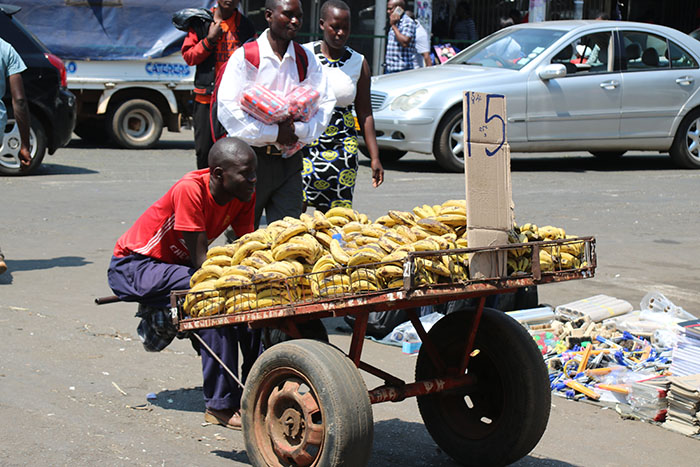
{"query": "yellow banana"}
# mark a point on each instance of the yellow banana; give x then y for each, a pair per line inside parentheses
(339, 211)
(245, 250)
(289, 232)
(223, 250)
(422, 213)
(390, 271)
(220, 260)
(363, 274)
(293, 250)
(208, 307)
(238, 270)
(434, 226)
(386, 221)
(232, 281)
(265, 255)
(460, 203)
(363, 285)
(340, 255)
(338, 221)
(352, 226)
(364, 256)
(204, 273)
(270, 276)
(402, 217)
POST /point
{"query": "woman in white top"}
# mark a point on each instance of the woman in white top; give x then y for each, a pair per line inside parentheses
(330, 163)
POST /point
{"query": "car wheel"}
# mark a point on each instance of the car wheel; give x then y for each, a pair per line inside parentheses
(448, 148)
(385, 155)
(9, 149)
(608, 155)
(92, 130)
(685, 150)
(135, 124)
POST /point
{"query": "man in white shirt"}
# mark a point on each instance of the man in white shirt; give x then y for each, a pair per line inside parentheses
(279, 189)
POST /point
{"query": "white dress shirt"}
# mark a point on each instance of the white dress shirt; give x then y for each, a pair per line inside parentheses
(279, 76)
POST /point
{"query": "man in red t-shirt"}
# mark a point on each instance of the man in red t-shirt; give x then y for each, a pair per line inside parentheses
(208, 46)
(169, 242)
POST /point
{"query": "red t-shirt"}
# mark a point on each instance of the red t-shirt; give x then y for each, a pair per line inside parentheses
(187, 207)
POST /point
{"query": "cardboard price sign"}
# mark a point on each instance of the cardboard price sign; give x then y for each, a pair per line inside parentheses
(487, 180)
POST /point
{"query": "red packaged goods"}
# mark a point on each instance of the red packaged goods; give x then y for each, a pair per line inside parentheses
(263, 104)
(303, 103)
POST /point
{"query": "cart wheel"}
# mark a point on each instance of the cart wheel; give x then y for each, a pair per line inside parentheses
(305, 404)
(502, 415)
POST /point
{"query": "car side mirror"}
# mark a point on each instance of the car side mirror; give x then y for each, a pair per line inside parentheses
(554, 70)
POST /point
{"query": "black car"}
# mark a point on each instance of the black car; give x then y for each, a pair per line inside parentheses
(51, 105)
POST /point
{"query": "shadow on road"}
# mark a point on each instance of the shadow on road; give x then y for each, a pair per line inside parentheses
(59, 169)
(15, 265)
(78, 143)
(184, 399)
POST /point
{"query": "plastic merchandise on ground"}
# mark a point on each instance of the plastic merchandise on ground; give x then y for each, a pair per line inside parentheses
(623, 361)
(405, 332)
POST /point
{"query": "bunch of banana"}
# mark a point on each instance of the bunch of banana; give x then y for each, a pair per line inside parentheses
(342, 251)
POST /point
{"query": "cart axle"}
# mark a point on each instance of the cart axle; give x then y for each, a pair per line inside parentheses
(419, 388)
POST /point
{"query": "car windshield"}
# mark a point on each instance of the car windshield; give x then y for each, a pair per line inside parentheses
(510, 48)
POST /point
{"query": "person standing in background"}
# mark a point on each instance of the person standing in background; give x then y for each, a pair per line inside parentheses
(11, 65)
(279, 69)
(464, 28)
(401, 40)
(422, 57)
(208, 46)
(330, 163)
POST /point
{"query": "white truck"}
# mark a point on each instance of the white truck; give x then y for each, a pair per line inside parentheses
(123, 63)
(131, 101)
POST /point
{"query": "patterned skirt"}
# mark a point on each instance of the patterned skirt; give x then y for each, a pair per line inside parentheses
(330, 163)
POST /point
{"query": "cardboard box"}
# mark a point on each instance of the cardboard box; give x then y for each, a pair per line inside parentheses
(488, 264)
(488, 187)
(488, 183)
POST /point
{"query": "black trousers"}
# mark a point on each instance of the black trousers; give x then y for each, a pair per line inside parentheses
(202, 134)
(279, 191)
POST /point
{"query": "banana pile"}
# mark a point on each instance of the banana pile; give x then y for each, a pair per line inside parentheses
(568, 255)
(343, 252)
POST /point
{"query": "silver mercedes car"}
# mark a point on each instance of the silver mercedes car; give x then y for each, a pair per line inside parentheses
(606, 87)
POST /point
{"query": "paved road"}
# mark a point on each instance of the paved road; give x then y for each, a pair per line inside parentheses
(74, 378)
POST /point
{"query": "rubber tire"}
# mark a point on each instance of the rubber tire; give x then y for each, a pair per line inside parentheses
(312, 329)
(116, 122)
(509, 356)
(608, 155)
(340, 393)
(441, 146)
(385, 155)
(679, 149)
(38, 141)
(92, 131)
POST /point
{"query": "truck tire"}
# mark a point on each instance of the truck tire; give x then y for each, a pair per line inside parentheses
(448, 147)
(502, 415)
(10, 144)
(305, 403)
(135, 124)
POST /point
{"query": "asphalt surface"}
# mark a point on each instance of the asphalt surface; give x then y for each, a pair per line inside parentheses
(74, 377)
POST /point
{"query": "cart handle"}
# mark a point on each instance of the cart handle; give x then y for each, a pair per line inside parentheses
(106, 300)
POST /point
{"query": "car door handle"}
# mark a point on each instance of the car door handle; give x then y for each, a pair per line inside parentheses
(685, 81)
(612, 84)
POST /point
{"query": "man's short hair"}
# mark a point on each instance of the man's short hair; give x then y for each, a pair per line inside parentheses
(338, 4)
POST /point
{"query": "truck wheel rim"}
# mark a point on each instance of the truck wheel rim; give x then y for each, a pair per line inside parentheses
(457, 140)
(693, 140)
(11, 143)
(138, 125)
(288, 421)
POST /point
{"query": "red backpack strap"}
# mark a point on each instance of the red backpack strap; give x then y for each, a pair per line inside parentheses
(302, 60)
(252, 53)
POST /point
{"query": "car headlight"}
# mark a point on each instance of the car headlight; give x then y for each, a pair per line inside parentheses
(409, 101)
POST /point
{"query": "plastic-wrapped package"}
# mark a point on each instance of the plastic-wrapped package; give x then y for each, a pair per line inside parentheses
(264, 105)
(655, 302)
(407, 333)
(303, 103)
